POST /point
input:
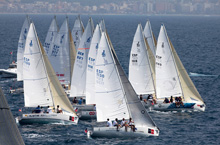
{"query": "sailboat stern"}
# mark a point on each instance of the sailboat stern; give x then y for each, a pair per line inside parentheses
(199, 106)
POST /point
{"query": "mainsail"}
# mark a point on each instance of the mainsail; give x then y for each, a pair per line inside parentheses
(9, 133)
(91, 71)
(110, 100)
(51, 35)
(140, 70)
(21, 45)
(78, 83)
(150, 37)
(110, 73)
(41, 85)
(77, 31)
(62, 54)
(167, 77)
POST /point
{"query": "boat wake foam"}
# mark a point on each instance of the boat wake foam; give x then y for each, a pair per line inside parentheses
(191, 74)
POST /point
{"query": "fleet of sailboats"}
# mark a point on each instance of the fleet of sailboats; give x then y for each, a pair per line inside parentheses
(86, 62)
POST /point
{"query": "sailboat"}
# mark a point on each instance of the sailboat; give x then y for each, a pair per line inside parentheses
(77, 31)
(51, 35)
(141, 65)
(150, 38)
(21, 46)
(15, 69)
(9, 132)
(78, 83)
(42, 87)
(116, 98)
(63, 53)
(172, 78)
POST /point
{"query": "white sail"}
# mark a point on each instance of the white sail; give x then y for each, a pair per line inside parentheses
(140, 73)
(150, 37)
(36, 85)
(110, 100)
(167, 77)
(41, 85)
(60, 54)
(90, 75)
(77, 31)
(78, 83)
(51, 35)
(102, 25)
(21, 46)
(136, 109)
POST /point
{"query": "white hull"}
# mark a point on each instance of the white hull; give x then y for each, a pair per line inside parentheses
(85, 115)
(112, 132)
(11, 72)
(84, 107)
(44, 118)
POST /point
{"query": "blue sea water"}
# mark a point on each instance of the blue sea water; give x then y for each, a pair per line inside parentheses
(197, 42)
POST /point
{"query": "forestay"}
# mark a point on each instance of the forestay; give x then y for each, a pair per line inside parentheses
(110, 99)
(41, 85)
(62, 54)
(167, 78)
(51, 35)
(77, 31)
(90, 75)
(21, 46)
(150, 37)
(140, 70)
(78, 83)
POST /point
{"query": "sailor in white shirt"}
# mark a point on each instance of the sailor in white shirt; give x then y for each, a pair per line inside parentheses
(109, 123)
(115, 123)
(49, 110)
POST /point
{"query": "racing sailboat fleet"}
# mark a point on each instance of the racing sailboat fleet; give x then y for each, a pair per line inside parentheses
(85, 62)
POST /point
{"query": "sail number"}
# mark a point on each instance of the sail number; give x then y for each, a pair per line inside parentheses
(55, 50)
(100, 76)
(79, 59)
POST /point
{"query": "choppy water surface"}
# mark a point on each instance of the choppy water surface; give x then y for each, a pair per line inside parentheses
(196, 40)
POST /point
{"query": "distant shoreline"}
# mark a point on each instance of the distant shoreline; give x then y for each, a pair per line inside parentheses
(182, 15)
